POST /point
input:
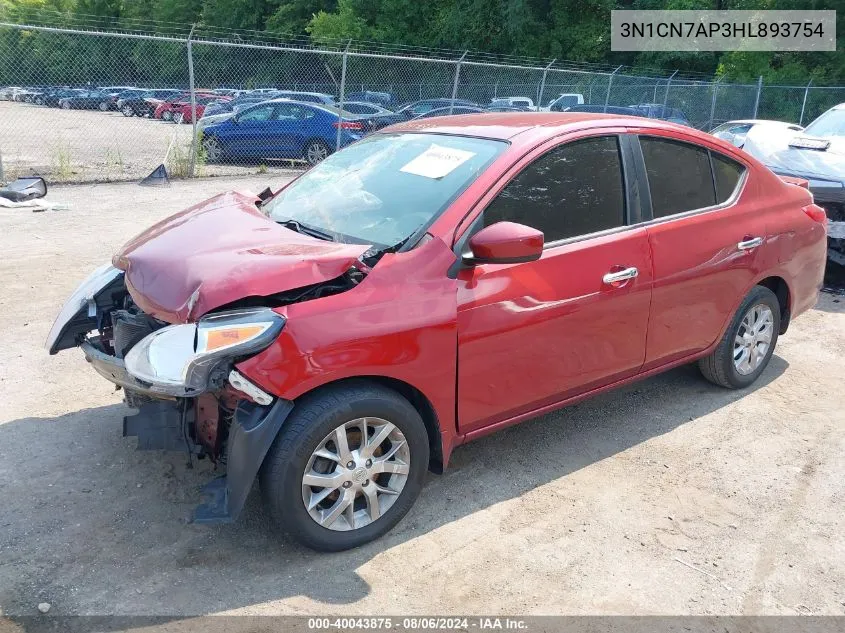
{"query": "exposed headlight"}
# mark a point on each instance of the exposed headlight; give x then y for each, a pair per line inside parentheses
(178, 360)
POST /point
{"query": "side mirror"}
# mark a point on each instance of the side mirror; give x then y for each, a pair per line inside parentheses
(505, 243)
(24, 189)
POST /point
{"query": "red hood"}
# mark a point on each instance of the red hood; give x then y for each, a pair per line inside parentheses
(219, 251)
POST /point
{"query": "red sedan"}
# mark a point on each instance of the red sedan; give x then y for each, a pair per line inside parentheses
(181, 106)
(433, 283)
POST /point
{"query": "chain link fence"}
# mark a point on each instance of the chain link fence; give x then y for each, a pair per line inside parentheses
(80, 105)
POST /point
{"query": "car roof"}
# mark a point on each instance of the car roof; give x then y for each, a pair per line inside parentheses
(532, 126)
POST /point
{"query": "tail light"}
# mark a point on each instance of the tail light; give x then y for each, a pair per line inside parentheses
(348, 125)
(816, 213)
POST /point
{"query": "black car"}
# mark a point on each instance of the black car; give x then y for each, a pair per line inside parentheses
(416, 108)
(52, 97)
(662, 112)
(143, 103)
(377, 116)
(84, 100)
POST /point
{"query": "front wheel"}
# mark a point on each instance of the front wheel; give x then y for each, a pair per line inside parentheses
(167, 115)
(748, 344)
(66, 106)
(346, 467)
(315, 151)
(213, 149)
(103, 106)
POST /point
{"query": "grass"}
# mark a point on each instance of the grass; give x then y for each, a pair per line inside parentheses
(179, 159)
(61, 164)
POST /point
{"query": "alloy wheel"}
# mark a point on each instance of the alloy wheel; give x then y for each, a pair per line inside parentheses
(316, 152)
(355, 474)
(753, 338)
(127, 111)
(213, 150)
(103, 106)
(166, 115)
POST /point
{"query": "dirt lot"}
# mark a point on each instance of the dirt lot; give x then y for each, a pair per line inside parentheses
(93, 146)
(671, 496)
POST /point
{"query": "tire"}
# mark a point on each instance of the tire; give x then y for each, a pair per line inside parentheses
(39, 101)
(167, 115)
(178, 118)
(213, 149)
(65, 105)
(103, 106)
(316, 417)
(127, 111)
(315, 151)
(730, 365)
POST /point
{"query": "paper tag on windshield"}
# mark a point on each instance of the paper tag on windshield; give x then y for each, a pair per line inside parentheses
(437, 161)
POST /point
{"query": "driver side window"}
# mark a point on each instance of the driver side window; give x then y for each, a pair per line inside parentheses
(574, 189)
(256, 114)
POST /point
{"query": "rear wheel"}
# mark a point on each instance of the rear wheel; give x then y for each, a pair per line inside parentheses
(167, 115)
(39, 101)
(346, 466)
(104, 106)
(127, 111)
(65, 105)
(748, 344)
(315, 151)
(178, 118)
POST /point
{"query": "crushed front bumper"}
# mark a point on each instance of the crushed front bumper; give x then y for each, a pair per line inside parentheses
(113, 369)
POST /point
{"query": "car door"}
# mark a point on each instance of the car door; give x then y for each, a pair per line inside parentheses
(534, 334)
(707, 243)
(293, 125)
(249, 134)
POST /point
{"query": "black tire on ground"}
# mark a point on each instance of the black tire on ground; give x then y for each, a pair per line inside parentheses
(167, 115)
(39, 101)
(127, 111)
(103, 106)
(314, 416)
(719, 366)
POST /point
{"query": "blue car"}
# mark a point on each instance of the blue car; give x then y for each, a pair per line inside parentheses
(281, 129)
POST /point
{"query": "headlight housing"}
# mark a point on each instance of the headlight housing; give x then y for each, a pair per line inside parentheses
(178, 360)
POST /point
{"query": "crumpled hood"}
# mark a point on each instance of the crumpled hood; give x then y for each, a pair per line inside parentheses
(770, 145)
(219, 251)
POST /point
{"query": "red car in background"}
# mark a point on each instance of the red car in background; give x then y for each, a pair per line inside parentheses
(166, 110)
(182, 111)
(432, 283)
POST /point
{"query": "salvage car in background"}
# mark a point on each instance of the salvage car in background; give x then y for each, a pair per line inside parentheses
(144, 102)
(84, 100)
(281, 129)
(433, 283)
(816, 154)
(734, 132)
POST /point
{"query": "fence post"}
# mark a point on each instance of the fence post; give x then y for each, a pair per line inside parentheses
(800, 121)
(543, 84)
(2, 177)
(666, 94)
(455, 83)
(609, 84)
(193, 162)
(713, 103)
(342, 89)
(757, 99)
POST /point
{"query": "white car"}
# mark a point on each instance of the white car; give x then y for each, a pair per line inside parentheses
(734, 132)
(563, 101)
(523, 103)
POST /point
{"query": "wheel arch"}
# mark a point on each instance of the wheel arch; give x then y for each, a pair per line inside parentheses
(413, 395)
(780, 287)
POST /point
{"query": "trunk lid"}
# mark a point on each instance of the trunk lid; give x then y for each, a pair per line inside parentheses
(219, 251)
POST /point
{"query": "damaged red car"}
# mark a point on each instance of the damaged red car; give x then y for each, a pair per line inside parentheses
(432, 283)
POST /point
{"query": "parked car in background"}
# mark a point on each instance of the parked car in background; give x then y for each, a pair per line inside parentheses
(503, 108)
(343, 339)
(378, 117)
(416, 108)
(281, 129)
(52, 97)
(522, 103)
(222, 106)
(817, 155)
(24, 95)
(564, 101)
(660, 111)
(383, 99)
(113, 93)
(144, 103)
(84, 100)
(310, 97)
(603, 109)
(452, 110)
(166, 109)
(7, 93)
(734, 132)
(182, 111)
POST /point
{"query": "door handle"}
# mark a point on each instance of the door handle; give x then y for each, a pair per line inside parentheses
(621, 275)
(748, 244)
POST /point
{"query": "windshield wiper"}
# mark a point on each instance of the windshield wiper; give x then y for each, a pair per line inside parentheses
(306, 229)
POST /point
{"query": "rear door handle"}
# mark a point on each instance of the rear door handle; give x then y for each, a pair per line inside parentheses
(621, 275)
(752, 242)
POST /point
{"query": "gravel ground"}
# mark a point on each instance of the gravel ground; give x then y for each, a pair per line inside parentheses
(670, 496)
(92, 146)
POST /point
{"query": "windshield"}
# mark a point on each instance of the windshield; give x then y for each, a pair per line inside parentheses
(380, 190)
(831, 123)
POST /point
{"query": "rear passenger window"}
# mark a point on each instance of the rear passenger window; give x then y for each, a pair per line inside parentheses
(726, 173)
(679, 176)
(573, 190)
